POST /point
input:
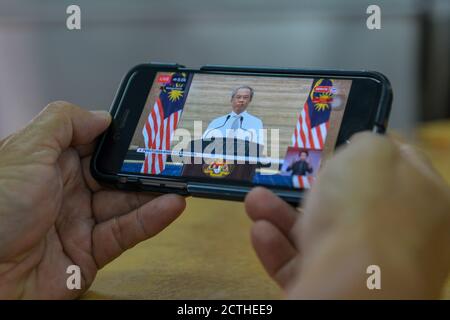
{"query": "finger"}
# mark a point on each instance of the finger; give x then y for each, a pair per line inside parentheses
(419, 160)
(394, 146)
(407, 149)
(112, 237)
(3, 140)
(262, 204)
(90, 181)
(274, 250)
(396, 137)
(107, 204)
(413, 153)
(369, 140)
(59, 126)
(362, 135)
(85, 150)
(364, 149)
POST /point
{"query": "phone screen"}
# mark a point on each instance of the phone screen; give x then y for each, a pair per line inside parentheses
(259, 130)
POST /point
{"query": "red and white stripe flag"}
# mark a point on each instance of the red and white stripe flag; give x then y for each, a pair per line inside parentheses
(163, 120)
(158, 132)
(306, 137)
(302, 182)
(312, 125)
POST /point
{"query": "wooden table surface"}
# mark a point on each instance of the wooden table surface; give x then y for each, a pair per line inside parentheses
(207, 254)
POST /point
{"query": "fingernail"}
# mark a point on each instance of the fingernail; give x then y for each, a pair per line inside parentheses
(104, 115)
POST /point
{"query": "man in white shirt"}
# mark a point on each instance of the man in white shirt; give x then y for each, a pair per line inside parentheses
(238, 123)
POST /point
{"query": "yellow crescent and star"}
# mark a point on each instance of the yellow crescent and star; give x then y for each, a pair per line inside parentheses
(176, 92)
(324, 97)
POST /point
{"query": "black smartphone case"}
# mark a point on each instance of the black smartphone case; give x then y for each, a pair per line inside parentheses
(162, 185)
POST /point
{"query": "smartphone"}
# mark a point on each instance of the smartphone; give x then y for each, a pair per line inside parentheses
(219, 131)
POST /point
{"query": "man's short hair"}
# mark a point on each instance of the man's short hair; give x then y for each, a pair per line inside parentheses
(304, 151)
(233, 93)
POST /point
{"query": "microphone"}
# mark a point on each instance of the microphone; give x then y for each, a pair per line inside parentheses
(226, 120)
(228, 117)
(240, 124)
(251, 132)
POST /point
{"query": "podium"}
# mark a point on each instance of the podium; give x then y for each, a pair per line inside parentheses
(228, 159)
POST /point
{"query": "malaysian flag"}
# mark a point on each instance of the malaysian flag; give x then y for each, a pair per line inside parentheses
(312, 125)
(163, 120)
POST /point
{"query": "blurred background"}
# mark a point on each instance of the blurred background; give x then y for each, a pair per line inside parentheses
(42, 61)
(207, 253)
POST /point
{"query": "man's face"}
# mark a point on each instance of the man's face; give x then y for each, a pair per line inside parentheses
(303, 156)
(241, 100)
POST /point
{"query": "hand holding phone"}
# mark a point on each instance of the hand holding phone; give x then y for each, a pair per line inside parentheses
(219, 131)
